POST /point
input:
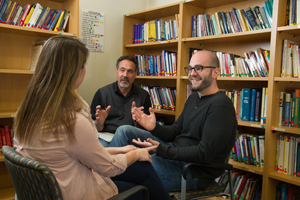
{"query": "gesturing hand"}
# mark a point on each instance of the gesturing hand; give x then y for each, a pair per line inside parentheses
(101, 115)
(147, 121)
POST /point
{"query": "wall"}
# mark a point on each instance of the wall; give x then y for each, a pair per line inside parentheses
(100, 67)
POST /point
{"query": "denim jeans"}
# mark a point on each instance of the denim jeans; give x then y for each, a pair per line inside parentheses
(141, 173)
(103, 142)
(169, 171)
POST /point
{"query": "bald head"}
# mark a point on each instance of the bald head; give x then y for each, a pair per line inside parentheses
(205, 58)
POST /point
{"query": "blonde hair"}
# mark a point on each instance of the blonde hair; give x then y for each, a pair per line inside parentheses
(51, 99)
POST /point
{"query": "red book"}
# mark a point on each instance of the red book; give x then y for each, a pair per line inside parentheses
(8, 135)
(3, 137)
(21, 23)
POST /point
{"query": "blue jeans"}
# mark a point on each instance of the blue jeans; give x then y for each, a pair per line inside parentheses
(141, 173)
(103, 142)
(169, 171)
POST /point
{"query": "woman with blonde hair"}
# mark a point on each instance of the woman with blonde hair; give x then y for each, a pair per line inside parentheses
(53, 126)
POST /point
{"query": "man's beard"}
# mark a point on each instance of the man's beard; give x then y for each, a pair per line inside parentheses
(205, 83)
(124, 85)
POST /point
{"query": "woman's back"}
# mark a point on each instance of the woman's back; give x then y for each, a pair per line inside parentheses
(72, 164)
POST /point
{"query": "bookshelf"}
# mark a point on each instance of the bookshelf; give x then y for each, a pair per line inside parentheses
(15, 55)
(236, 43)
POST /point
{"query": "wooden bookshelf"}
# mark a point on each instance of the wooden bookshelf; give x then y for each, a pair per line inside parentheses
(15, 55)
(236, 43)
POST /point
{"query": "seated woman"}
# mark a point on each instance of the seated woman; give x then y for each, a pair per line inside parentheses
(53, 126)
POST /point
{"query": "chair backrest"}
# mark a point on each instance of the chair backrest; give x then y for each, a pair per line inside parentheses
(31, 179)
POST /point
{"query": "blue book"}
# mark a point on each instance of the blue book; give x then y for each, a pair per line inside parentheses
(5, 3)
(250, 150)
(246, 104)
(257, 112)
(40, 17)
(55, 20)
(252, 105)
(225, 23)
(247, 20)
(233, 13)
(207, 24)
(287, 109)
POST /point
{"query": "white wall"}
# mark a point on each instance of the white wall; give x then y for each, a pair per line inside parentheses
(157, 3)
(101, 66)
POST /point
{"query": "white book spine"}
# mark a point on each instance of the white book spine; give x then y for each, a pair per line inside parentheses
(261, 140)
(256, 150)
(286, 154)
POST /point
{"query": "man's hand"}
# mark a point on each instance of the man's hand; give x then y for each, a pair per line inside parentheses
(101, 115)
(147, 121)
(148, 144)
(141, 109)
(128, 148)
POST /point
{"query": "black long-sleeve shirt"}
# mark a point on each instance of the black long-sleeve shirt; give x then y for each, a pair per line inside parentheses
(120, 112)
(204, 132)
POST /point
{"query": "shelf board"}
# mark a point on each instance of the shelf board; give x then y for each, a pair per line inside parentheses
(250, 124)
(236, 78)
(7, 114)
(210, 4)
(163, 111)
(12, 29)
(156, 13)
(156, 77)
(257, 35)
(285, 178)
(286, 79)
(7, 194)
(293, 30)
(15, 71)
(286, 129)
(148, 45)
(245, 167)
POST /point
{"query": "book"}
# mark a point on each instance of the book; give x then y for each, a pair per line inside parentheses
(35, 53)
(261, 141)
(60, 19)
(251, 18)
(246, 102)
(287, 109)
(26, 11)
(264, 17)
(105, 136)
(29, 15)
(252, 105)
(51, 27)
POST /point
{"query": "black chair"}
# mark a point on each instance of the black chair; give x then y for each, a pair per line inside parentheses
(33, 180)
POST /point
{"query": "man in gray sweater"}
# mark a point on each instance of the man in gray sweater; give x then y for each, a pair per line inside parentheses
(204, 132)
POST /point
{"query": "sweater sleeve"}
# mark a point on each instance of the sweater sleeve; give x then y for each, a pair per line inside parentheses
(216, 135)
(147, 104)
(89, 151)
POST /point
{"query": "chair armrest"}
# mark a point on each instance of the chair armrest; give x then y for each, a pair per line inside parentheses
(124, 195)
(224, 166)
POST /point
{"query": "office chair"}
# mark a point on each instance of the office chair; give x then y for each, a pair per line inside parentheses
(33, 180)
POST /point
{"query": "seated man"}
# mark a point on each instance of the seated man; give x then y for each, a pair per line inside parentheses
(204, 132)
(116, 98)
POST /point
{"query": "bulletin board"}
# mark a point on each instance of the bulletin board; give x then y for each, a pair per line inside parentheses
(93, 30)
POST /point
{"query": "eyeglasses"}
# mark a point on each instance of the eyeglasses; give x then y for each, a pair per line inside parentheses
(197, 68)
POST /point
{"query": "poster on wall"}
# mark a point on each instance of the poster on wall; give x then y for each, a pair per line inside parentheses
(93, 30)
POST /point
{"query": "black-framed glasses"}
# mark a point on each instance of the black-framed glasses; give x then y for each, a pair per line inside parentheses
(197, 68)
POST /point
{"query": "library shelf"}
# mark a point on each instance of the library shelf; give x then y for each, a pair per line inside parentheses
(7, 114)
(286, 129)
(157, 77)
(15, 71)
(165, 112)
(251, 124)
(7, 194)
(245, 167)
(284, 79)
(285, 178)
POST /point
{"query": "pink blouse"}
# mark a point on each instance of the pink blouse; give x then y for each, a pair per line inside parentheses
(83, 168)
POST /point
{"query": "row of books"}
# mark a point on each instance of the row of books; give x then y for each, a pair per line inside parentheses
(233, 21)
(249, 149)
(246, 186)
(290, 66)
(5, 136)
(289, 109)
(250, 103)
(292, 13)
(33, 16)
(156, 30)
(161, 98)
(157, 65)
(286, 191)
(288, 154)
(255, 64)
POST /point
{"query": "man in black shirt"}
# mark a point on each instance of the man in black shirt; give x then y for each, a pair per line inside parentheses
(111, 105)
(204, 132)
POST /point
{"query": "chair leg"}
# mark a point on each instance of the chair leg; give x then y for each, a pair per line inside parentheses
(183, 188)
(230, 185)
